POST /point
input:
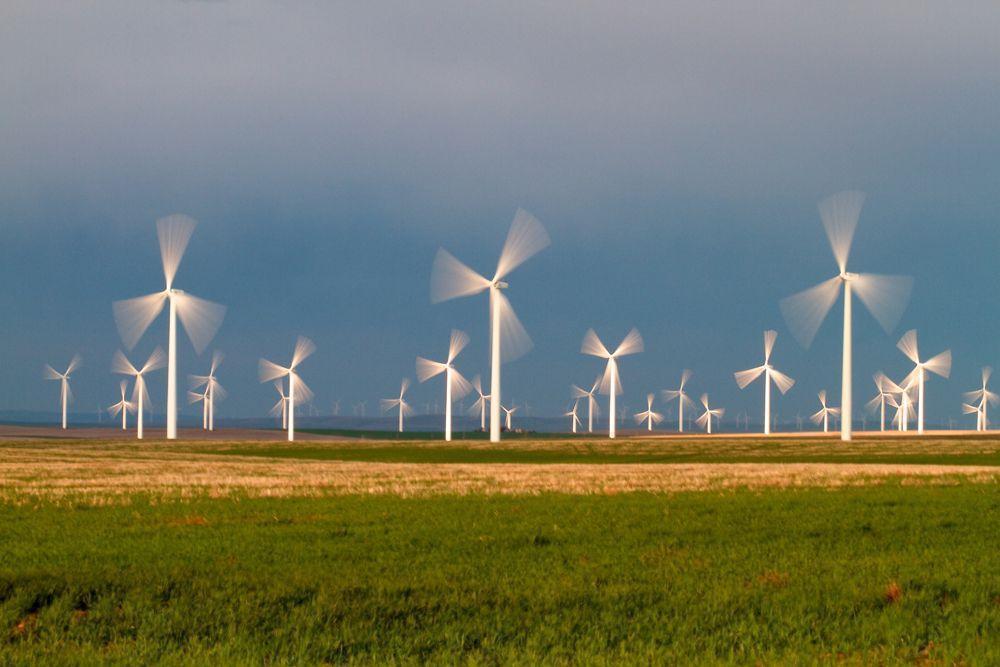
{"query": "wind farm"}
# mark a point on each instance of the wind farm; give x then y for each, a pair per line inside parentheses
(360, 291)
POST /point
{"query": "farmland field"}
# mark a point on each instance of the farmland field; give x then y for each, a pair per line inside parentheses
(697, 550)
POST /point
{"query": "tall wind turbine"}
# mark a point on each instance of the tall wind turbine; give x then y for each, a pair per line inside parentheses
(649, 416)
(213, 390)
(885, 296)
(455, 386)
(706, 417)
(509, 412)
(574, 419)
(610, 383)
(479, 407)
(400, 403)
(939, 365)
(825, 412)
(65, 395)
(124, 406)
(201, 318)
(886, 390)
(682, 398)
(451, 278)
(982, 398)
(781, 381)
(298, 391)
(592, 408)
(140, 395)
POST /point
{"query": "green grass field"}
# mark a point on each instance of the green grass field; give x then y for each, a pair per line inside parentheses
(889, 573)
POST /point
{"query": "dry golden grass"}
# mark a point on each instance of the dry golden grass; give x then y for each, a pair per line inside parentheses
(102, 473)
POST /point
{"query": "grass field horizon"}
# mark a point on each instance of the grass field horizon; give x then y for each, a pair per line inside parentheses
(540, 551)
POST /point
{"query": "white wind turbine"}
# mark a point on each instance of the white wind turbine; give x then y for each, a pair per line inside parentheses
(479, 407)
(781, 381)
(65, 395)
(140, 394)
(509, 412)
(281, 407)
(983, 397)
(194, 397)
(939, 365)
(298, 391)
(124, 406)
(574, 419)
(649, 416)
(885, 296)
(824, 412)
(706, 417)
(610, 382)
(593, 409)
(213, 390)
(201, 318)
(682, 398)
(451, 278)
(400, 403)
(886, 390)
(455, 386)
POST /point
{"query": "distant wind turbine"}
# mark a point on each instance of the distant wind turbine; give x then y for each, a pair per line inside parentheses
(479, 407)
(451, 279)
(281, 407)
(649, 416)
(781, 381)
(610, 382)
(574, 419)
(682, 398)
(705, 419)
(213, 389)
(509, 412)
(195, 397)
(455, 386)
(983, 397)
(886, 389)
(592, 407)
(399, 403)
(124, 406)
(65, 395)
(201, 318)
(140, 395)
(885, 296)
(298, 391)
(939, 365)
(825, 412)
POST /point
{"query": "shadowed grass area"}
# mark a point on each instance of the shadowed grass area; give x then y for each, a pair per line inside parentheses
(883, 574)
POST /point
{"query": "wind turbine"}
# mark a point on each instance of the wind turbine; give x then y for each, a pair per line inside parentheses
(298, 391)
(574, 419)
(706, 417)
(984, 397)
(886, 389)
(213, 390)
(65, 395)
(281, 407)
(509, 412)
(456, 386)
(451, 279)
(480, 405)
(404, 407)
(682, 398)
(123, 406)
(592, 407)
(824, 412)
(610, 384)
(201, 318)
(885, 296)
(781, 381)
(140, 395)
(194, 397)
(649, 416)
(939, 365)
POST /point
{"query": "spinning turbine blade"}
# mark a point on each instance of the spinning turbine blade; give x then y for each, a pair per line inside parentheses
(73, 364)
(782, 381)
(592, 345)
(451, 278)
(804, 312)
(50, 373)
(457, 343)
(303, 350)
(840, 213)
(156, 361)
(526, 238)
(426, 369)
(303, 394)
(514, 339)
(217, 358)
(133, 316)
(940, 364)
(201, 318)
(744, 378)
(605, 386)
(460, 387)
(885, 296)
(174, 232)
(769, 337)
(268, 370)
(632, 344)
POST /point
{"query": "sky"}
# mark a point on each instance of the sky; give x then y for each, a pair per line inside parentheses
(675, 152)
